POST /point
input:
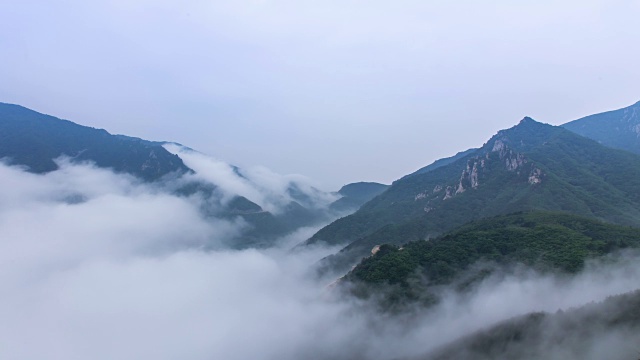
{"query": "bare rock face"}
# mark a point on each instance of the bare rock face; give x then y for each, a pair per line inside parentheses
(448, 193)
(469, 179)
(500, 154)
(460, 189)
(536, 176)
(514, 161)
(500, 147)
(473, 177)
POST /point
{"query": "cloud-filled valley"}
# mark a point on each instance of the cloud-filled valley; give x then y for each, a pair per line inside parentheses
(99, 265)
(269, 190)
(249, 180)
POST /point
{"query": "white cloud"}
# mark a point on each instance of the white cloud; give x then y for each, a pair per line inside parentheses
(122, 275)
(80, 213)
(258, 184)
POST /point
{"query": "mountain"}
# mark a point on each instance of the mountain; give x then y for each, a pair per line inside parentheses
(356, 194)
(442, 162)
(531, 166)
(262, 227)
(33, 139)
(604, 330)
(269, 205)
(618, 129)
(545, 241)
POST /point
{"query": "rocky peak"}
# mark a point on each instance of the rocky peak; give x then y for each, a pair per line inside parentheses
(528, 121)
(509, 148)
(470, 175)
(527, 134)
(527, 124)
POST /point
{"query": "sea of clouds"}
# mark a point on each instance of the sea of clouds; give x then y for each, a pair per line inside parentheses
(97, 265)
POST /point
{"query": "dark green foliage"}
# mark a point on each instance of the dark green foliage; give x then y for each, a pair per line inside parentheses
(575, 175)
(543, 240)
(35, 140)
(618, 129)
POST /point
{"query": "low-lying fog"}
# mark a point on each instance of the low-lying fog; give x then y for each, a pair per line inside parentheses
(95, 265)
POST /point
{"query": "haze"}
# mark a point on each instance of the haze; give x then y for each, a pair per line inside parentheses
(338, 91)
(95, 265)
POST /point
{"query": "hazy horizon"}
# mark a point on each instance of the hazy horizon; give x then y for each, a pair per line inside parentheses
(356, 91)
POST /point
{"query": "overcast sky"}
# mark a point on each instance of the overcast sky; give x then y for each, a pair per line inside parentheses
(337, 90)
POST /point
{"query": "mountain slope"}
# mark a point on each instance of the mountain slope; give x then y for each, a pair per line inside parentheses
(356, 194)
(618, 129)
(530, 166)
(268, 205)
(35, 140)
(605, 330)
(545, 241)
(271, 205)
(442, 162)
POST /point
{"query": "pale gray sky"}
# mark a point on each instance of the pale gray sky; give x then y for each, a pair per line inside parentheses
(337, 90)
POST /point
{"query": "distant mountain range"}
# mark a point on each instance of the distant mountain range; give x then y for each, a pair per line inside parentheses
(544, 197)
(36, 141)
(356, 194)
(531, 166)
(618, 129)
(272, 204)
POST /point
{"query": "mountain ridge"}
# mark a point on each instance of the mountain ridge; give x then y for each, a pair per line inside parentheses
(618, 129)
(35, 140)
(356, 194)
(526, 167)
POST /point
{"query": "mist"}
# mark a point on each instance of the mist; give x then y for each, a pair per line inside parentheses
(97, 265)
(264, 187)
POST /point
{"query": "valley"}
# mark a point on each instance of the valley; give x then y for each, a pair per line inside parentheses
(525, 247)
